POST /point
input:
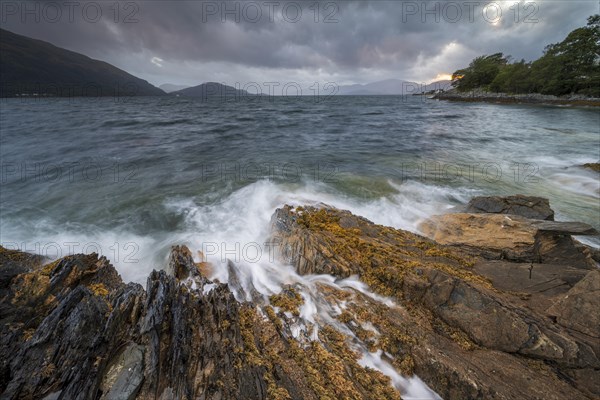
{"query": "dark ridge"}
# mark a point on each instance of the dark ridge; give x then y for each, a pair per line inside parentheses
(212, 90)
(35, 68)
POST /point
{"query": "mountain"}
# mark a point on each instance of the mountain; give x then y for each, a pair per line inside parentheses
(434, 86)
(169, 87)
(34, 67)
(211, 89)
(390, 87)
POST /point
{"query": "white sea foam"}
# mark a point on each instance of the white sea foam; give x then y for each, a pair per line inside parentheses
(584, 183)
(133, 255)
(232, 235)
(411, 388)
(236, 229)
(228, 230)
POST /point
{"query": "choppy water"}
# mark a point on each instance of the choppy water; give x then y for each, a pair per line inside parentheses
(130, 178)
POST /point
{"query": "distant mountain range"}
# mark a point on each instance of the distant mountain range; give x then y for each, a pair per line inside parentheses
(169, 87)
(391, 87)
(211, 89)
(36, 68)
(30, 67)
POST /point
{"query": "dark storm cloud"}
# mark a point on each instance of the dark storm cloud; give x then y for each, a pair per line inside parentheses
(359, 37)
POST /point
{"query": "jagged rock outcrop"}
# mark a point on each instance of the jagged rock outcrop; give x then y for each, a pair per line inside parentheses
(82, 333)
(79, 332)
(470, 326)
(482, 340)
(72, 329)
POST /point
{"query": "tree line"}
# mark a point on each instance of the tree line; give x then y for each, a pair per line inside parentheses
(569, 67)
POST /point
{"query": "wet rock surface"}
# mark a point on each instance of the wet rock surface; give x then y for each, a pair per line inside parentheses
(483, 339)
(79, 332)
(577, 309)
(592, 166)
(513, 237)
(72, 329)
(525, 206)
(469, 324)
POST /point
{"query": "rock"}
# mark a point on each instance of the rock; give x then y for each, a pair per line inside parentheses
(578, 309)
(124, 377)
(111, 340)
(493, 235)
(511, 237)
(48, 307)
(561, 249)
(16, 262)
(498, 323)
(593, 252)
(592, 166)
(53, 396)
(565, 228)
(72, 335)
(181, 264)
(538, 285)
(525, 206)
(452, 308)
(530, 277)
(72, 329)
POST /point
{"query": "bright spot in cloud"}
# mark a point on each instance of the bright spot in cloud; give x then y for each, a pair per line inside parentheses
(157, 61)
(492, 13)
(443, 77)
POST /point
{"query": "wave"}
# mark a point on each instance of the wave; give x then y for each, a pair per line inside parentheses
(133, 255)
(450, 116)
(170, 122)
(233, 236)
(120, 123)
(587, 184)
(373, 113)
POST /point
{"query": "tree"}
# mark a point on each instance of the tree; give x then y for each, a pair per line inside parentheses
(481, 72)
(514, 78)
(571, 66)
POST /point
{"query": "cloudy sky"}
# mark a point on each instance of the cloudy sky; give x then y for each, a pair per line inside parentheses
(190, 42)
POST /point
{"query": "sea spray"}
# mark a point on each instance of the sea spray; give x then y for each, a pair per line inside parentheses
(244, 217)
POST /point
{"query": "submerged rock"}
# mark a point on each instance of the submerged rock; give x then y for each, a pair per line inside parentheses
(592, 166)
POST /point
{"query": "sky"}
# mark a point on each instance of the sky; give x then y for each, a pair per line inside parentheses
(278, 43)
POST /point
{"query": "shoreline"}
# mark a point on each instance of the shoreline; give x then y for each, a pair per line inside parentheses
(390, 310)
(504, 98)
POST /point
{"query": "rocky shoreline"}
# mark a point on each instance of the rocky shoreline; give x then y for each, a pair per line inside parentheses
(500, 302)
(505, 98)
